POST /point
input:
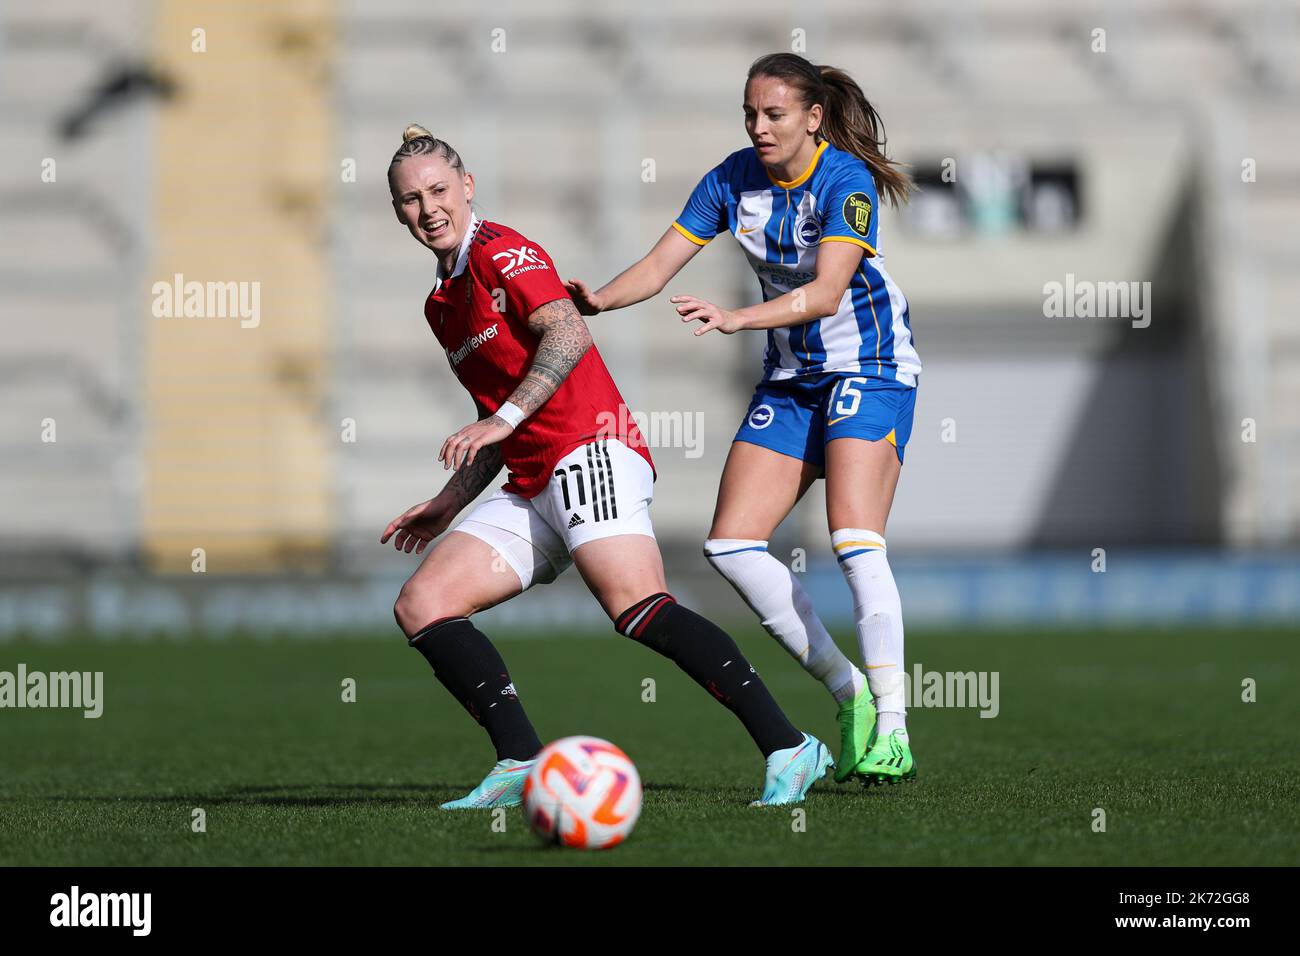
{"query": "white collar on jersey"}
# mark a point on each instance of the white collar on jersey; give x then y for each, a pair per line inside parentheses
(463, 256)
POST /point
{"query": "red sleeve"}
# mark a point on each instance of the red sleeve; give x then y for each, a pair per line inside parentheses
(524, 271)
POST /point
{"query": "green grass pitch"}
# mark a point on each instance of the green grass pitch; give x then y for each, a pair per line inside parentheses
(1147, 725)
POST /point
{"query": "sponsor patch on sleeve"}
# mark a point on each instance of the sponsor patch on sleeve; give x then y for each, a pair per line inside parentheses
(857, 213)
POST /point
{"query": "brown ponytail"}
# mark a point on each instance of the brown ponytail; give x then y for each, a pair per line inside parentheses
(849, 121)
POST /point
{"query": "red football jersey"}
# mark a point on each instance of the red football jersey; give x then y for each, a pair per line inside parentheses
(480, 315)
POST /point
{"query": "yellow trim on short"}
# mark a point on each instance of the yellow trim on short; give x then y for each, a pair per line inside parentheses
(891, 437)
(803, 177)
(859, 544)
(690, 235)
(856, 242)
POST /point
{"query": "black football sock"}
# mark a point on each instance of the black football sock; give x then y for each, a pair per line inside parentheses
(711, 658)
(470, 667)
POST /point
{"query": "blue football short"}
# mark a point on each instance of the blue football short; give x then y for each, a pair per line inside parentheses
(798, 416)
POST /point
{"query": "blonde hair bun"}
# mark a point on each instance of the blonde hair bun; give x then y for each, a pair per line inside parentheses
(415, 132)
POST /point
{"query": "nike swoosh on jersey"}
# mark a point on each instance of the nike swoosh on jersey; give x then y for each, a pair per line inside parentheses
(840, 419)
(745, 232)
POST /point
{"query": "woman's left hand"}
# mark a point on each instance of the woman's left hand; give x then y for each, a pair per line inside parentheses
(462, 448)
(692, 309)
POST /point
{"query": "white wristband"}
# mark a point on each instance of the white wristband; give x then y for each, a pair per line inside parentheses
(511, 414)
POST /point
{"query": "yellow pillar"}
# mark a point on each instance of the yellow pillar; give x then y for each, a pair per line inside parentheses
(236, 417)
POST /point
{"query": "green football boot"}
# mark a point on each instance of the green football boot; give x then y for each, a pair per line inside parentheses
(857, 719)
(888, 761)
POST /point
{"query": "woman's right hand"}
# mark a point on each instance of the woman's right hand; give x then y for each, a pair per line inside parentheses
(417, 526)
(586, 301)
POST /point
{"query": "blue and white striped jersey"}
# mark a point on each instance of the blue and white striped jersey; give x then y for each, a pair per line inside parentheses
(780, 226)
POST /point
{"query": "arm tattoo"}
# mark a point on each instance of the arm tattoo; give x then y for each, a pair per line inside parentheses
(564, 341)
(471, 479)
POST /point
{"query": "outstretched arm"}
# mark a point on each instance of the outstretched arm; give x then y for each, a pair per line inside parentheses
(565, 339)
(836, 263)
(640, 281)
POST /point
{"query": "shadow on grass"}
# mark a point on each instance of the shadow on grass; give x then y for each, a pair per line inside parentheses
(333, 794)
(283, 795)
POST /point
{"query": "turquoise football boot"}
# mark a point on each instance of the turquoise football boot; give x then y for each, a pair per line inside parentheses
(791, 772)
(502, 787)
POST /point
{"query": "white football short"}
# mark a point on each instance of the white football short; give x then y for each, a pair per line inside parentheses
(598, 490)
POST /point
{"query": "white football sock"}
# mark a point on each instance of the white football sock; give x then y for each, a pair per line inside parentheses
(775, 595)
(879, 616)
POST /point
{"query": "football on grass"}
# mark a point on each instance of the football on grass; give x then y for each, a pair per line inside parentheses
(583, 792)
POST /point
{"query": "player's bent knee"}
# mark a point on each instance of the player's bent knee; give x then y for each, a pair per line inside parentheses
(406, 610)
(418, 606)
(614, 601)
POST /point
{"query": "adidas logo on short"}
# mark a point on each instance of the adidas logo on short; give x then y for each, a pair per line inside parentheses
(576, 520)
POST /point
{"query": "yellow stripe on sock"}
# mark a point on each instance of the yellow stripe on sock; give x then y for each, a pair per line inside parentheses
(860, 544)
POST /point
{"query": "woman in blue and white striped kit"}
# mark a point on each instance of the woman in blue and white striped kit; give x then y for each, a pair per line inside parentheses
(839, 383)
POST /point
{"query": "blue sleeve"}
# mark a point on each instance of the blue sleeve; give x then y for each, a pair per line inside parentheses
(851, 205)
(705, 214)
